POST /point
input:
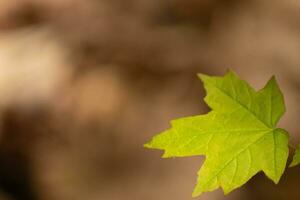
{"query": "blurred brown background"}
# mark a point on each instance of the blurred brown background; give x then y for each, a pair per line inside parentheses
(83, 84)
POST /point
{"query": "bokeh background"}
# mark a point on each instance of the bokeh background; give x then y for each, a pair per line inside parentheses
(84, 84)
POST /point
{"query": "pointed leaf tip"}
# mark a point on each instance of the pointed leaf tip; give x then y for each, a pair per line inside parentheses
(296, 158)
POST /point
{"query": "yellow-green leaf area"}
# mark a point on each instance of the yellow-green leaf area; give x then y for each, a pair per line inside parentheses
(296, 158)
(238, 137)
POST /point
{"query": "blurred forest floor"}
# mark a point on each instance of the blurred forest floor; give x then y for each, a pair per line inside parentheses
(84, 84)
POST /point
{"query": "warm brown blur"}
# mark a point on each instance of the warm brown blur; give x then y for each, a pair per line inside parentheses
(85, 83)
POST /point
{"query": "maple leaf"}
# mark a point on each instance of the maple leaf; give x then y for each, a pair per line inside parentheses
(238, 136)
(296, 158)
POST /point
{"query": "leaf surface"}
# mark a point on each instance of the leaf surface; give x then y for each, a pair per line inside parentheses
(296, 158)
(238, 136)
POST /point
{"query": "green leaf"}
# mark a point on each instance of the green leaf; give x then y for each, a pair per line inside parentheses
(296, 159)
(238, 137)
